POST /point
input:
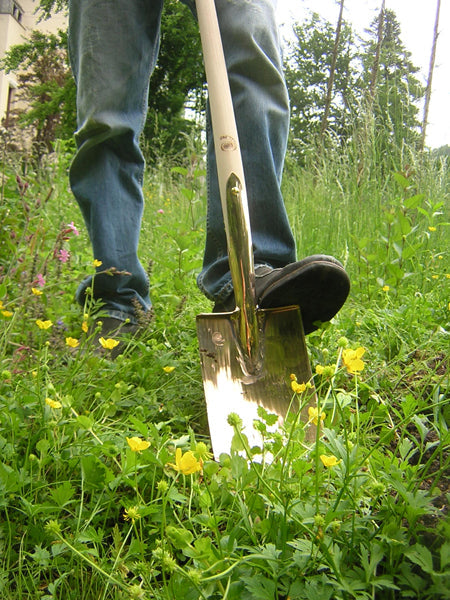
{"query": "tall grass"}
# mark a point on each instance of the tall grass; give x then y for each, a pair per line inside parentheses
(89, 512)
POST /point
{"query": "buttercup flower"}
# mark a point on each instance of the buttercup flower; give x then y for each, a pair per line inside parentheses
(313, 414)
(168, 369)
(109, 343)
(36, 292)
(296, 387)
(44, 324)
(186, 463)
(53, 403)
(326, 371)
(431, 228)
(137, 444)
(7, 313)
(352, 359)
(329, 461)
(131, 514)
(84, 326)
(97, 263)
(201, 450)
(385, 288)
(72, 342)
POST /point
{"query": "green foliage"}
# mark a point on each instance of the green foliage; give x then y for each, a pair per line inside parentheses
(83, 515)
(177, 81)
(46, 86)
(397, 87)
(381, 128)
(307, 68)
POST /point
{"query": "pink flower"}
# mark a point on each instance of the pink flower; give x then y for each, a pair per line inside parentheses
(161, 211)
(40, 281)
(71, 226)
(63, 255)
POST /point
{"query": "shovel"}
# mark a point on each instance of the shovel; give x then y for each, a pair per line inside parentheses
(248, 355)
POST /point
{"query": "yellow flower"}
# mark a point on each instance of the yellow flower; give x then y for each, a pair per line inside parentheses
(201, 450)
(385, 288)
(137, 444)
(313, 414)
(326, 371)
(97, 263)
(435, 277)
(431, 228)
(44, 324)
(131, 514)
(298, 388)
(329, 461)
(168, 369)
(352, 359)
(186, 463)
(7, 313)
(36, 292)
(84, 326)
(72, 342)
(53, 403)
(109, 343)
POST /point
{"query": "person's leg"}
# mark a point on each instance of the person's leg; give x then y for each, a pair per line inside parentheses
(318, 284)
(113, 48)
(252, 52)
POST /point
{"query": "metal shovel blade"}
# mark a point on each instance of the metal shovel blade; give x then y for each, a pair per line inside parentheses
(230, 389)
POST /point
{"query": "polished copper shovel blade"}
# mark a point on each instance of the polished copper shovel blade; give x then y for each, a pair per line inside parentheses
(230, 388)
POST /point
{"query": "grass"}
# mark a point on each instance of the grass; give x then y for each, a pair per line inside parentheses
(89, 512)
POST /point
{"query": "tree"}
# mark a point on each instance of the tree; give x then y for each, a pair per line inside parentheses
(46, 88)
(430, 77)
(324, 123)
(307, 65)
(177, 81)
(397, 90)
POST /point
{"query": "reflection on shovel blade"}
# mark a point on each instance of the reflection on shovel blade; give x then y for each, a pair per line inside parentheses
(228, 386)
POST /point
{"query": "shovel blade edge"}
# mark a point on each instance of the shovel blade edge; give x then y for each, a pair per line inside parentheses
(230, 389)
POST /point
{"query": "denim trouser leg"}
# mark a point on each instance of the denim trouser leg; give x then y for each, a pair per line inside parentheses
(113, 48)
(253, 56)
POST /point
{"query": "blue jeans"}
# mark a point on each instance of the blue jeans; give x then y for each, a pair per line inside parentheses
(113, 49)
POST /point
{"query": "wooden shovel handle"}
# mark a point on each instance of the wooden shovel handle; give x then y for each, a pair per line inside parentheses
(228, 154)
(233, 194)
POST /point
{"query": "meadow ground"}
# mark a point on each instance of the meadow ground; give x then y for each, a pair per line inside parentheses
(95, 501)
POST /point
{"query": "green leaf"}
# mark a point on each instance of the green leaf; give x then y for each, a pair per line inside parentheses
(63, 494)
(178, 537)
(85, 421)
(422, 557)
(402, 180)
(260, 587)
(414, 201)
(445, 555)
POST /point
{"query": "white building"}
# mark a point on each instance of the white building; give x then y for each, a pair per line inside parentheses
(17, 19)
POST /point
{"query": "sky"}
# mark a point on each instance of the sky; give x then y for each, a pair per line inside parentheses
(416, 19)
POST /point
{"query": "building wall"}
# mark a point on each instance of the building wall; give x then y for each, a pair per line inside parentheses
(17, 20)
